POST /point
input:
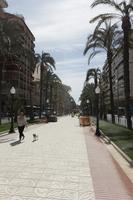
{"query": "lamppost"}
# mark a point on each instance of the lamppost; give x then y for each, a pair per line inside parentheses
(12, 92)
(97, 91)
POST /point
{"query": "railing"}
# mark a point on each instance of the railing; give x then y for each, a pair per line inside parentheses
(121, 120)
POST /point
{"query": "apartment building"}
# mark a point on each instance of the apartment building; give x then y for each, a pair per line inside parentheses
(118, 81)
(18, 74)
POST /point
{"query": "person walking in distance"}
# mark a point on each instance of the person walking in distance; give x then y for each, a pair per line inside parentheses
(21, 121)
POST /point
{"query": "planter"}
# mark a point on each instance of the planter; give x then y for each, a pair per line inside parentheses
(84, 121)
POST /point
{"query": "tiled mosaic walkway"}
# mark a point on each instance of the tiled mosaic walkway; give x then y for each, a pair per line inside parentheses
(53, 168)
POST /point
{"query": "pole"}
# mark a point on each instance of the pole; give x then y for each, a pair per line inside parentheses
(97, 122)
(12, 120)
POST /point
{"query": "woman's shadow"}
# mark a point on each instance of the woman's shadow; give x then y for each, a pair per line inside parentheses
(15, 143)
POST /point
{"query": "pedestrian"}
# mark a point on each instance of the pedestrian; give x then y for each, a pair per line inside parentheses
(21, 121)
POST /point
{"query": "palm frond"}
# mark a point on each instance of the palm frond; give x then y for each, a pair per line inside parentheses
(92, 55)
(107, 2)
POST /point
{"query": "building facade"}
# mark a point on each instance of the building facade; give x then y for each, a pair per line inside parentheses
(118, 83)
(18, 74)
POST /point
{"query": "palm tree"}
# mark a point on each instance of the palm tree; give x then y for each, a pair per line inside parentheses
(88, 92)
(104, 38)
(94, 73)
(10, 45)
(53, 81)
(125, 11)
(46, 64)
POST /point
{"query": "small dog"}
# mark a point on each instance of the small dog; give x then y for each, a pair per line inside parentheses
(35, 137)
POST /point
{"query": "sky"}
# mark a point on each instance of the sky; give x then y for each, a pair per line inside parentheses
(61, 27)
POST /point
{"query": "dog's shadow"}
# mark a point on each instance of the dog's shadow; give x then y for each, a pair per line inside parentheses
(35, 138)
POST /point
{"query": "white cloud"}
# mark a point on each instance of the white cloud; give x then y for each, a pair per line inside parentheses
(76, 80)
(61, 28)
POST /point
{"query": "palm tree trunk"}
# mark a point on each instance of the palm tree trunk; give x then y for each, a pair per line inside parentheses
(109, 57)
(104, 106)
(126, 75)
(95, 81)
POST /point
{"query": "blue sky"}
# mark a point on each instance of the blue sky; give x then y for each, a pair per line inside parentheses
(61, 28)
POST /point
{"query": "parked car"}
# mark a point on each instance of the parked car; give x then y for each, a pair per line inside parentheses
(50, 114)
(52, 118)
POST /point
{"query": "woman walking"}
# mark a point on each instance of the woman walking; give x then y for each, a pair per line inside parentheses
(21, 121)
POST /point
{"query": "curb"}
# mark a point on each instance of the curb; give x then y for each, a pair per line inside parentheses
(108, 141)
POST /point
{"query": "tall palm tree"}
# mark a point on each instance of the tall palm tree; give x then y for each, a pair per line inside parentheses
(104, 38)
(125, 11)
(46, 63)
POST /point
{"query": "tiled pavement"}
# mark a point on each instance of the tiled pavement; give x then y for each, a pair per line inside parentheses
(53, 168)
(56, 167)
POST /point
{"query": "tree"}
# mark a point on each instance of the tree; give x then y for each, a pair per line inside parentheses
(63, 99)
(125, 11)
(46, 63)
(53, 81)
(88, 92)
(104, 38)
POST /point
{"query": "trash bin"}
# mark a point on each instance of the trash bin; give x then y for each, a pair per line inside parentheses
(84, 121)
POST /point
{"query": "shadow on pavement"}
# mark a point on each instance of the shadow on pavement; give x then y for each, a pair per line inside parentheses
(15, 143)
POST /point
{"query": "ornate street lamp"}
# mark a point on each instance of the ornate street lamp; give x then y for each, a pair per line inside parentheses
(12, 92)
(97, 91)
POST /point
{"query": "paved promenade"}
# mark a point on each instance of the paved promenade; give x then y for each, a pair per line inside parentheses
(67, 163)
